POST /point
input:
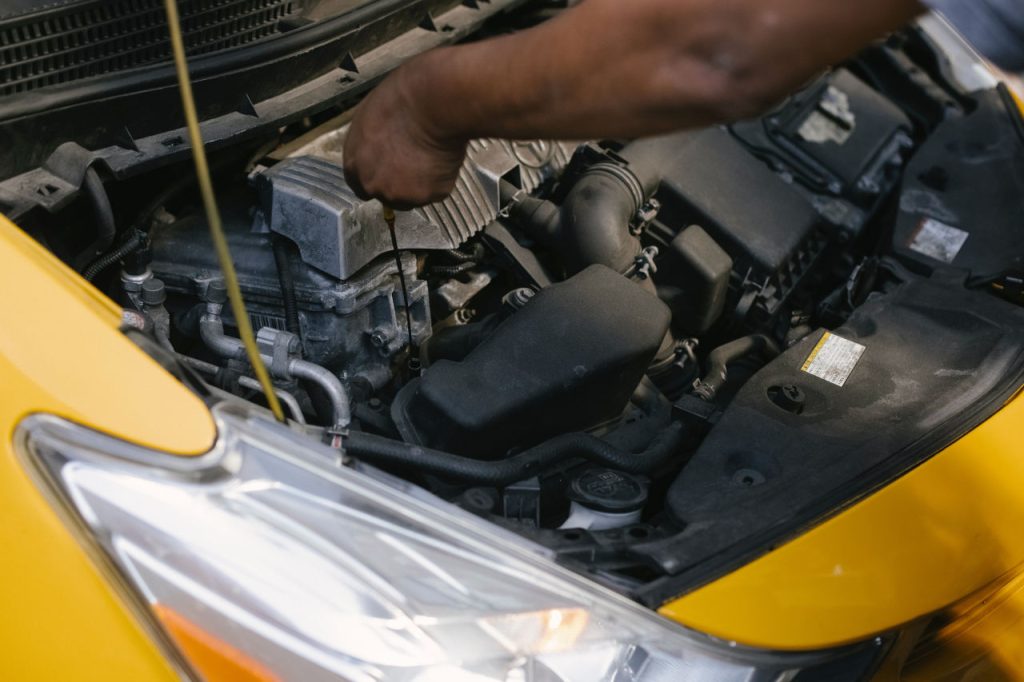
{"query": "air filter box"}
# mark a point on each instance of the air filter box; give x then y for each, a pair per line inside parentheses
(569, 359)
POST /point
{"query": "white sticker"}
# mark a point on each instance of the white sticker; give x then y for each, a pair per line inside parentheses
(833, 359)
(938, 240)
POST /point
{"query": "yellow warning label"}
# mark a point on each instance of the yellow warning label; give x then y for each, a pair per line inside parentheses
(815, 351)
(833, 358)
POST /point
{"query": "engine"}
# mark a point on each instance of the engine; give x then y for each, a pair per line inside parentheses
(560, 290)
(604, 346)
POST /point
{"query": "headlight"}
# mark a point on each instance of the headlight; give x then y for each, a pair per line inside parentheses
(265, 559)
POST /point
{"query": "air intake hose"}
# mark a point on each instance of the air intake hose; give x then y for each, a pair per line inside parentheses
(592, 226)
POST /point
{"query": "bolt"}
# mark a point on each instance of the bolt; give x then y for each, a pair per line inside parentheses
(517, 298)
(868, 186)
(789, 397)
(378, 338)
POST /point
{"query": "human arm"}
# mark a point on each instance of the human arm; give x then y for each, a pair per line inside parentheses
(605, 68)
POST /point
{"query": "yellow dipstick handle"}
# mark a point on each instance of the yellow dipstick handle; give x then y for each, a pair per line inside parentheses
(220, 243)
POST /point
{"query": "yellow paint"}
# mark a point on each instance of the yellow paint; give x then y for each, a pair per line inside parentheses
(61, 352)
(930, 539)
(984, 640)
(814, 351)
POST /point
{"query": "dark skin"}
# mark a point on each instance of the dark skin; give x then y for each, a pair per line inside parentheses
(603, 69)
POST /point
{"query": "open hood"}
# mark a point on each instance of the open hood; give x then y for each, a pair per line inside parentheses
(95, 76)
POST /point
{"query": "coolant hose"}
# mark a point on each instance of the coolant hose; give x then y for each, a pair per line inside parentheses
(380, 450)
(719, 359)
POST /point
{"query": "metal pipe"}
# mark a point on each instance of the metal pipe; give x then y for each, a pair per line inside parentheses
(211, 330)
(332, 386)
(248, 382)
(286, 397)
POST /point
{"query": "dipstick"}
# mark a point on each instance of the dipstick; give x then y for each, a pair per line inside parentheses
(220, 243)
(389, 218)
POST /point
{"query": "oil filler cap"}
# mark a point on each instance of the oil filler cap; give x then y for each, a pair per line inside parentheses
(608, 490)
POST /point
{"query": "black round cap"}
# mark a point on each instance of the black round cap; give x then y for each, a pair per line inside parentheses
(608, 490)
(216, 291)
(153, 292)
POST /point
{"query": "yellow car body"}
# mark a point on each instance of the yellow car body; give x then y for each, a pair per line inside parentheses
(938, 550)
(943, 540)
(63, 618)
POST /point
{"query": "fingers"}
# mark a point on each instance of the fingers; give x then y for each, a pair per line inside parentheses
(399, 172)
(352, 179)
(401, 185)
(388, 156)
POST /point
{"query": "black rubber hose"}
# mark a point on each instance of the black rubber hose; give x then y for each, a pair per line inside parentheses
(595, 219)
(456, 342)
(593, 223)
(452, 270)
(463, 257)
(720, 358)
(379, 450)
(287, 281)
(106, 229)
(131, 245)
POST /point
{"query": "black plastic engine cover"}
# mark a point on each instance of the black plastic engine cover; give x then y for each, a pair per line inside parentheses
(837, 135)
(793, 446)
(569, 359)
(960, 193)
(756, 217)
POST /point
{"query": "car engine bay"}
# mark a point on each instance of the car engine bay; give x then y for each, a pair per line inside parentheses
(655, 358)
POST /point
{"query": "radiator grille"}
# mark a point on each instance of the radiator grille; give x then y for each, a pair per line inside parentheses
(113, 36)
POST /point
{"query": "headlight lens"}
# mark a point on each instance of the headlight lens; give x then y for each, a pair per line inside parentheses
(265, 559)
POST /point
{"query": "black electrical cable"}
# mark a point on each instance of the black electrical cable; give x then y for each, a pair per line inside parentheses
(131, 245)
(462, 257)
(452, 270)
(380, 450)
(140, 228)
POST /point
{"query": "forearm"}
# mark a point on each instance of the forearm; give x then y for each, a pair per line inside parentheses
(614, 68)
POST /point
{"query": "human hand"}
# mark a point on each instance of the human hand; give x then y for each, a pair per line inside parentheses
(392, 153)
